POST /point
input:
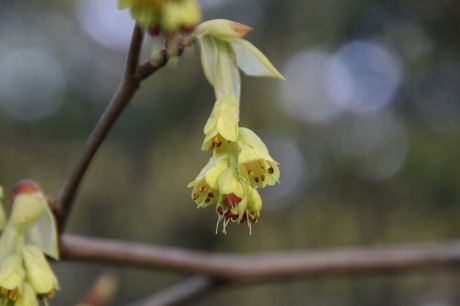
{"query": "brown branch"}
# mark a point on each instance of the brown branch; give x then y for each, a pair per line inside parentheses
(133, 75)
(186, 291)
(262, 267)
(120, 99)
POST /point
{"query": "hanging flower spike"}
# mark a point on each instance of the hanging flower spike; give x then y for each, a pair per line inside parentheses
(11, 279)
(223, 51)
(255, 163)
(205, 187)
(167, 16)
(38, 272)
(222, 125)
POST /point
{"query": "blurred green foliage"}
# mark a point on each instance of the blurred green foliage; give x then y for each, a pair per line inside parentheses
(136, 187)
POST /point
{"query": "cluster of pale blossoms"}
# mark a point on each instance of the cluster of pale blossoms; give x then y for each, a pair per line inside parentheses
(164, 16)
(28, 234)
(240, 161)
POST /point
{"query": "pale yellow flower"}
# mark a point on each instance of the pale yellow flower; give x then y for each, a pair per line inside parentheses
(38, 272)
(255, 163)
(222, 125)
(11, 278)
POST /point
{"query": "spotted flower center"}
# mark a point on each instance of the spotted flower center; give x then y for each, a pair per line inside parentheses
(11, 295)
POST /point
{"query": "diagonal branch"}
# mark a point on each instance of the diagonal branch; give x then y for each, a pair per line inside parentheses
(186, 291)
(262, 267)
(133, 76)
(120, 99)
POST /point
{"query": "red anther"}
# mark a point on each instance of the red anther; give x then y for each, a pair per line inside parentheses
(154, 31)
(188, 29)
(219, 210)
(228, 200)
(211, 194)
(235, 199)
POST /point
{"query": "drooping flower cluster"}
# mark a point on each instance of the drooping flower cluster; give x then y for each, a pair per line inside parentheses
(164, 16)
(29, 234)
(240, 162)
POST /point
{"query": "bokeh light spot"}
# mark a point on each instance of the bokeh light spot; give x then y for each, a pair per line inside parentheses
(32, 84)
(374, 73)
(106, 24)
(307, 96)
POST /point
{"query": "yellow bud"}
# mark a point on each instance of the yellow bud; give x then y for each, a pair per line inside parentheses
(222, 29)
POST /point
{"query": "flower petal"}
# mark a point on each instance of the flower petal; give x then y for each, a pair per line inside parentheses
(252, 61)
(208, 57)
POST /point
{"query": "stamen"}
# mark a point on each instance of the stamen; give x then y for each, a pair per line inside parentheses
(211, 194)
(251, 173)
(256, 179)
(219, 210)
(202, 188)
(207, 200)
(253, 218)
(262, 177)
(270, 169)
(228, 200)
(195, 196)
(12, 295)
(261, 166)
(235, 198)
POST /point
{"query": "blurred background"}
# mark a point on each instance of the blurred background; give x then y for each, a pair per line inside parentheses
(366, 129)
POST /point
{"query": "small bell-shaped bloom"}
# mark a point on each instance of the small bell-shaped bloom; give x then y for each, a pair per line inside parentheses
(222, 125)
(242, 205)
(255, 163)
(38, 272)
(205, 186)
(11, 278)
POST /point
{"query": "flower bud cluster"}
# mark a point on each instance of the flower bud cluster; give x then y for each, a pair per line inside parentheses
(164, 16)
(240, 161)
(29, 234)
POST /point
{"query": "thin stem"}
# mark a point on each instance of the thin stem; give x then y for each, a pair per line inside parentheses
(120, 99)
(262, 267)
(133, 76)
